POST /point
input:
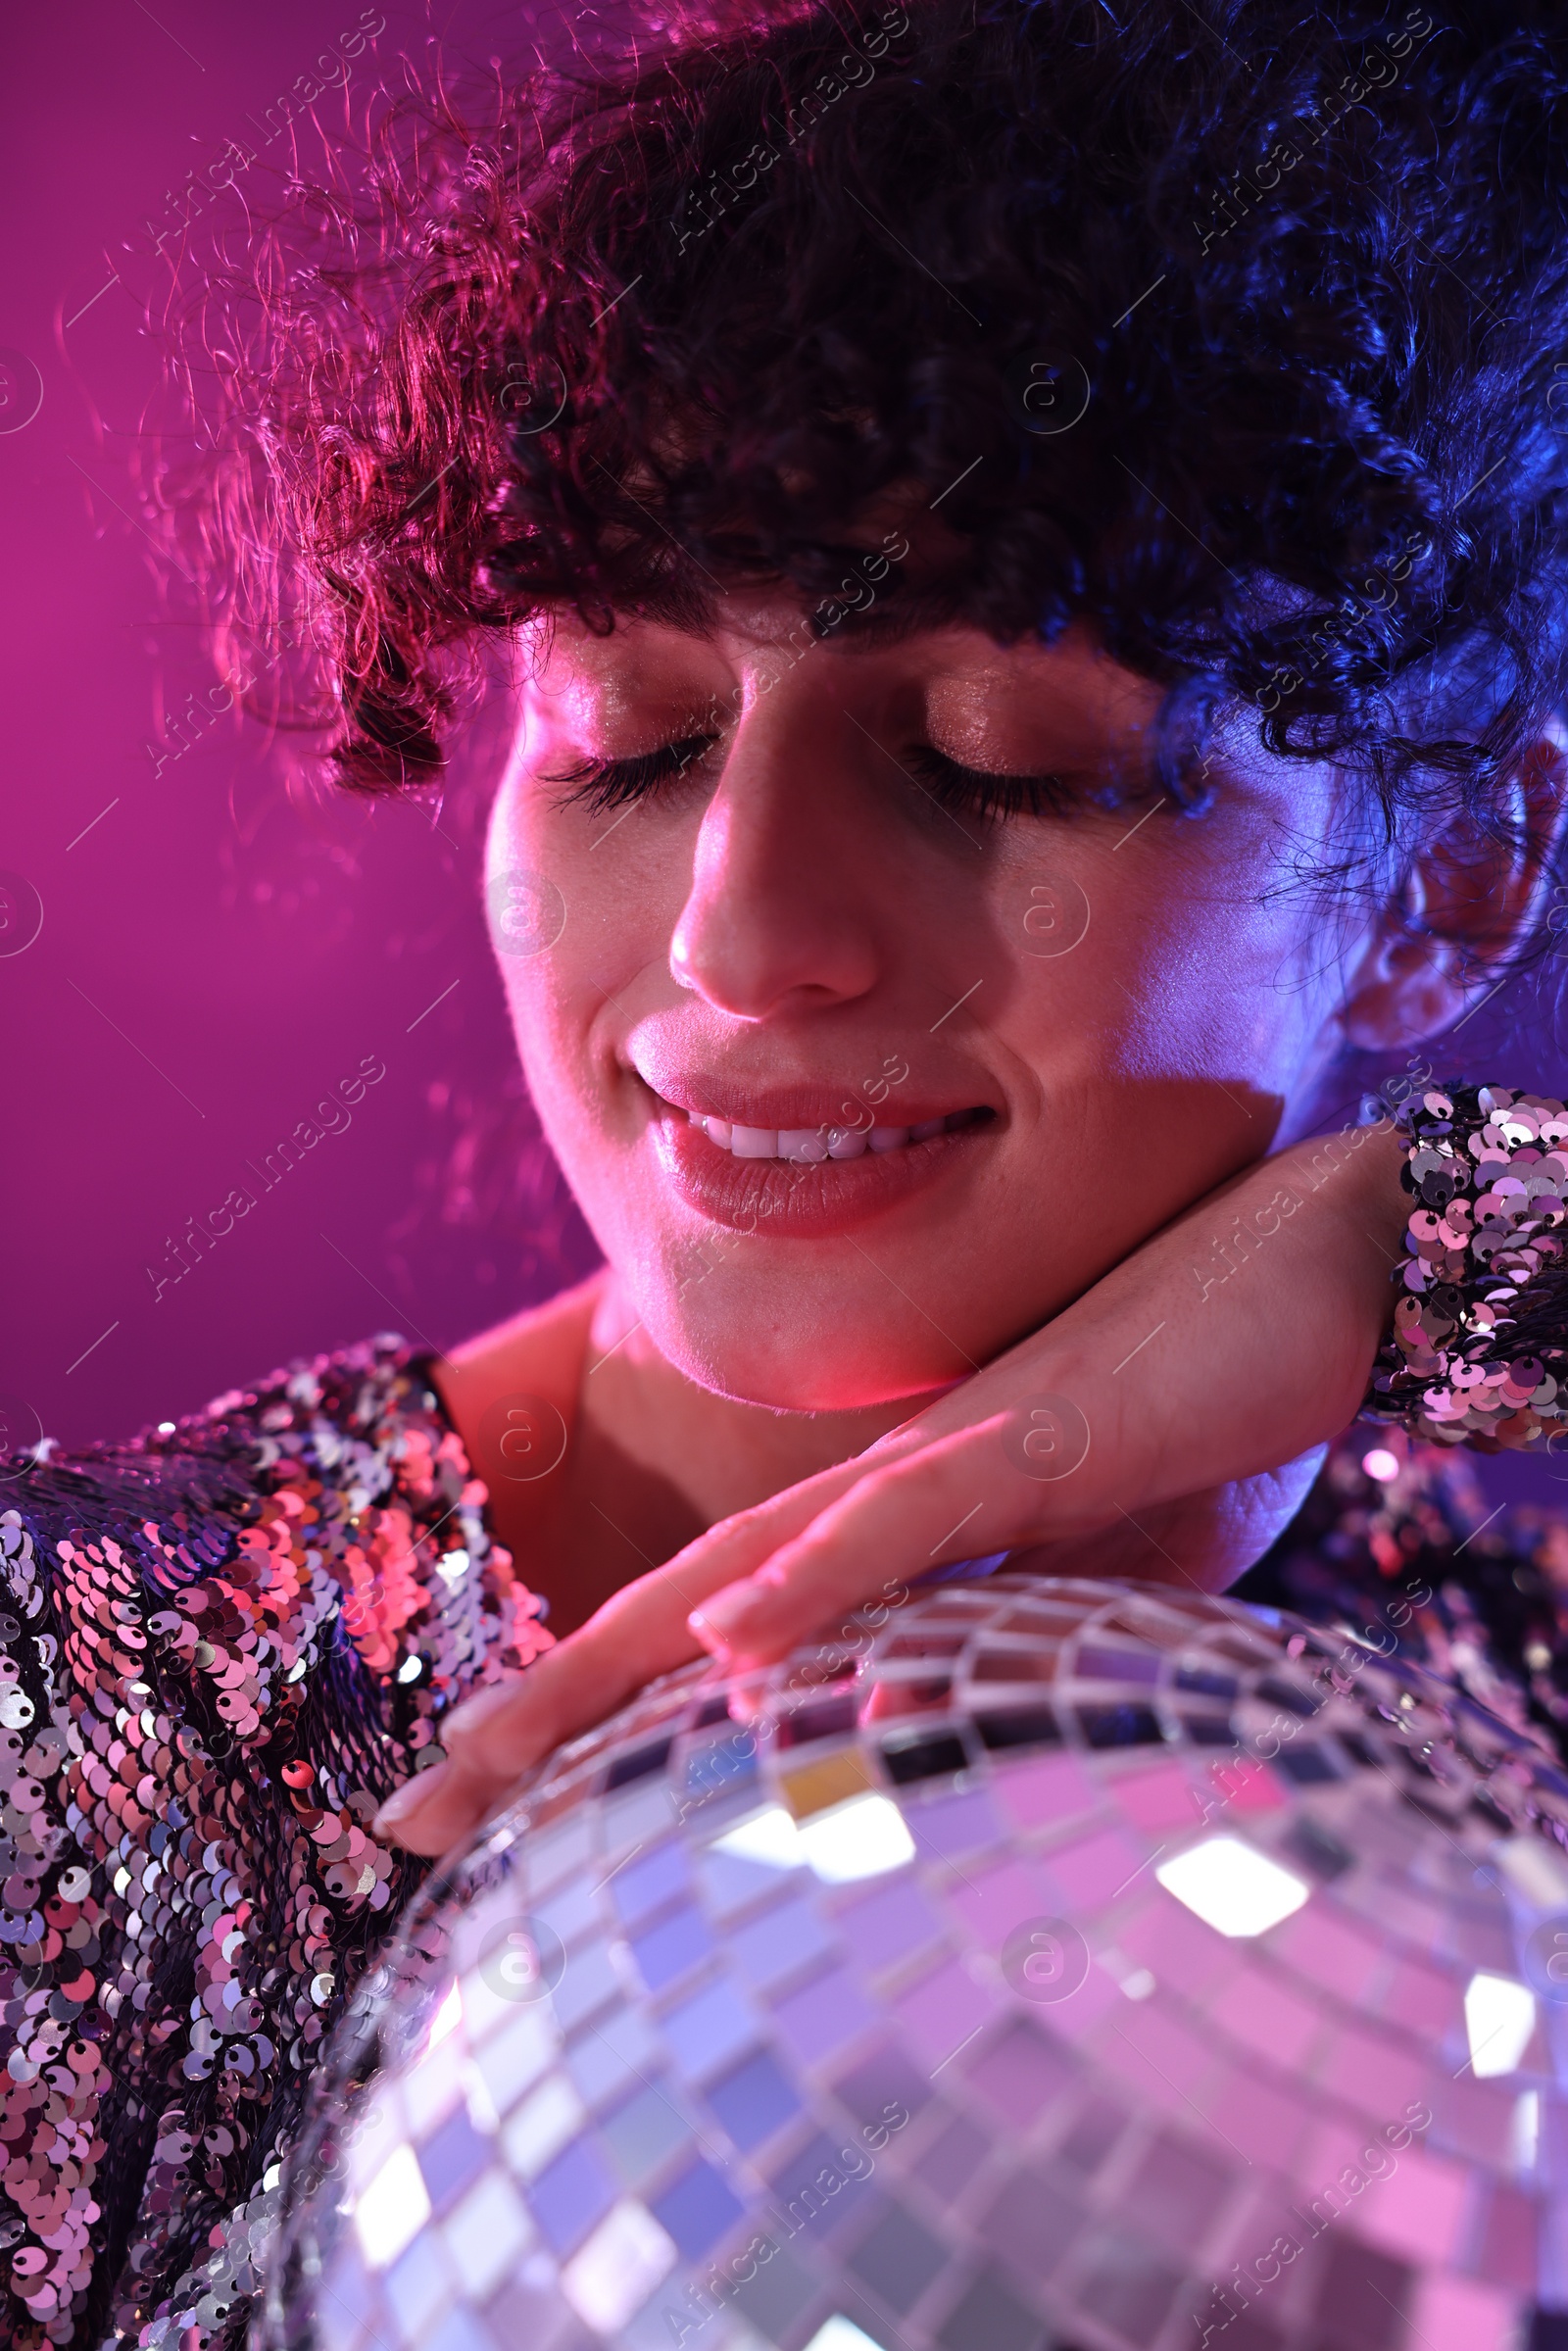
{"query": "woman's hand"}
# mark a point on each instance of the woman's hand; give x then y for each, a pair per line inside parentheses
(1139, 1433)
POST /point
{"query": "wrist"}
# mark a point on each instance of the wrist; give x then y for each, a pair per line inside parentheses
(1364, 1191)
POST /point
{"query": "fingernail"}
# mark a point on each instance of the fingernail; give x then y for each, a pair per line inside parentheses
(715, 1622)
(409, 1798)
(702, 1630)
(475, 1712)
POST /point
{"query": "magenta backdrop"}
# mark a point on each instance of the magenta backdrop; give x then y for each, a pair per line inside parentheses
(215, 957)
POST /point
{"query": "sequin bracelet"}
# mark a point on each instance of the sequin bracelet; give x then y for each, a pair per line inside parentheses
(1479, 1349)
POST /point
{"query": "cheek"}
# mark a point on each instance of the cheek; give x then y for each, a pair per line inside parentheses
(1192, 964)
(598, 893)
(535, 914)
(525, 902)
(580, 938)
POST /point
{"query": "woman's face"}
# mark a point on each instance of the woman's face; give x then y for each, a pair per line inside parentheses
(955, 1063)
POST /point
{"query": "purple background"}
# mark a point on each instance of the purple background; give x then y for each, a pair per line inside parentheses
(216, 954)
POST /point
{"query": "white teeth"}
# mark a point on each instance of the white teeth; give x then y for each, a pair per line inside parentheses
(807, 1145)
(845, 1142)
(800, 1143)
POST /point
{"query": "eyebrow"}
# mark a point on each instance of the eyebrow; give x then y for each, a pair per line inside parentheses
(907, 614)
(865, 629)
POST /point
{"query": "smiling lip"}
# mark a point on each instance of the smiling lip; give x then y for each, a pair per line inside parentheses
(834, 1176)
(795, 1106)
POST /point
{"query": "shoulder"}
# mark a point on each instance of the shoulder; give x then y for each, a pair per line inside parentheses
(328, 1505)
(219, 1457)
(221, 1646)
(533, 1360)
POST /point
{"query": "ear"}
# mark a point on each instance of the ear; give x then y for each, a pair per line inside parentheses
(1468, 904)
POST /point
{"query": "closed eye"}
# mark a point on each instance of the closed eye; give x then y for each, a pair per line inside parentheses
(601, 784)
(984, 792)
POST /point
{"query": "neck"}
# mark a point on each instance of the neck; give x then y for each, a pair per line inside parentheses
(653, 1458)
(719, 1454)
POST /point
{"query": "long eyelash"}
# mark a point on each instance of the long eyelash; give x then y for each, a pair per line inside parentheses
(602, 784)
(979, 792)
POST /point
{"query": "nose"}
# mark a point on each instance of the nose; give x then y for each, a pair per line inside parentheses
(780, 914)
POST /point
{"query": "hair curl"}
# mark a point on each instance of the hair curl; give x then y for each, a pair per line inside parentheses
(680, 310)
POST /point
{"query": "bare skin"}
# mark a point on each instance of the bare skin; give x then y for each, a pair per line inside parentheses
(789, 924)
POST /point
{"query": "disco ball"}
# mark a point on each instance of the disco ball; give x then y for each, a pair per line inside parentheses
(1052, 1964)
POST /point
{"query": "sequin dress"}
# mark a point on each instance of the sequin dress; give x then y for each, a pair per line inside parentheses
(222, 1646)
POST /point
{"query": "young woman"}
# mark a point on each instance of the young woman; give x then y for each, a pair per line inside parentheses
(1031, 549)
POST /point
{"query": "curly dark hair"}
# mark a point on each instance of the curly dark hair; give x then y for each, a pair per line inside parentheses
(1234, 332)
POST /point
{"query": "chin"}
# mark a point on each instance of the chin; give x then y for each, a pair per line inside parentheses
(831, 1367)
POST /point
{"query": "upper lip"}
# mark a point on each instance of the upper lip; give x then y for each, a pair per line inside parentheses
(799, 1106)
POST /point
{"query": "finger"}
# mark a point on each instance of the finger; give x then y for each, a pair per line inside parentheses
(733, 1552)
(501, 1731)
(737, 1547)
(944, 1504)
(642, 1631)
(429, 1813)
(570, 1689)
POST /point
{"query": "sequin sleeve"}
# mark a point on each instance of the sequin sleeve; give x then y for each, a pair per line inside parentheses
(1479, 1349)
(221, 1648)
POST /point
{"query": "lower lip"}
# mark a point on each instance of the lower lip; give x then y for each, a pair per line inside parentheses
(803, 1201)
